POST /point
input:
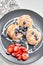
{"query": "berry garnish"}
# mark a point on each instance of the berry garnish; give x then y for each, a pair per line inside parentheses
(16, 48)
(24, 56)
(16, 30)
(10, 50)
(13, 54)
(32, 33)
(24, 23)
(20, 27)
(17, 51)
(19, 58)
(36, 37)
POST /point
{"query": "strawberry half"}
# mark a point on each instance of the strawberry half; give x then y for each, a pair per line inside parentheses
(19, 52)
(19, 58)
(23, 49)
(25, 56)
(16, 48)
(10, 49)
(13, 54)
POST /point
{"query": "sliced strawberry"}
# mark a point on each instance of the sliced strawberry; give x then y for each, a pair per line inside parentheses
(16, 48)
(17, 55)
(10, 50)
(13, 54)
(19, 52)
(17, 44)
(19, 58)
(25, 56)
(23, 49)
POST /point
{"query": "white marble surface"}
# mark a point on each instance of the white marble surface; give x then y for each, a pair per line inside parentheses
(37, 6)
(6, 6)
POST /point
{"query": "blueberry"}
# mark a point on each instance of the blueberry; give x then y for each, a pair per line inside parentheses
(21, 41)
(36, 37)
(25, 28)
(20, 27)
(23, 33)
(17, 30)
(32, 33)
(24, 23)
(24, 39)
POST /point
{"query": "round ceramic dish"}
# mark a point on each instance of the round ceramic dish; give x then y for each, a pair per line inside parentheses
(38, 22)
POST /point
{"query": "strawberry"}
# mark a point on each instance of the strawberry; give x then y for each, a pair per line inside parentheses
(19, 58)
(18, 52)
(13, 54)
(17, 55)
(25, 56)
(16, 48)
(23, 49)
(10, 49)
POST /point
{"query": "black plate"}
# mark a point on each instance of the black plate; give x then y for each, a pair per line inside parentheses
(38, 21)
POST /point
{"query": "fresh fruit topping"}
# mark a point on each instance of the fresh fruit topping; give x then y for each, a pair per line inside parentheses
(36, 37)
(20, 27)
(23, 49)
(25, 28)
(25, 56)
(18, 51)
(16, 30)
(24, 22)
(16, 48)
(13, 54)
(33, 33)
(19, 58)
(10, 50)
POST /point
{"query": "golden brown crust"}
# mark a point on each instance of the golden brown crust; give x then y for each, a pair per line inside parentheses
(11, 32)
(31, 38)
(25, 18)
